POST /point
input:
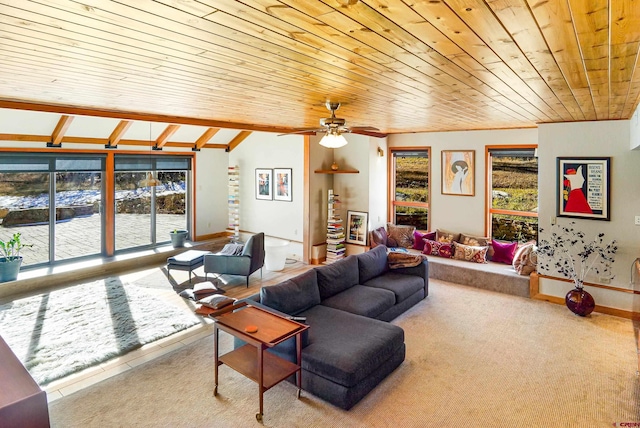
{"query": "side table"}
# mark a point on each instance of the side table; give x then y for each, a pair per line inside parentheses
(251, 360)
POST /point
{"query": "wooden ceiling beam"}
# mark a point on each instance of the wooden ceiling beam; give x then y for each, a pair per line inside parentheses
(59, 131)
(117, 134)
(205, 138)
(237, 140)
(164, 137)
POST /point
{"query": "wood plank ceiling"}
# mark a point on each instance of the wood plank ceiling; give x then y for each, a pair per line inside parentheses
(398, 65)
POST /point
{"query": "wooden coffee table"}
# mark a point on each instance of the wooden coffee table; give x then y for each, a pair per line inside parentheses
(264, 368)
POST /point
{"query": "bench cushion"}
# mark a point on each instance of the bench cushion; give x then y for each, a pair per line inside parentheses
(403, 286)
(361, 300)
(187, 258)
(345, 348)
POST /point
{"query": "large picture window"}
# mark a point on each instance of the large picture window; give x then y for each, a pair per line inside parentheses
(513, 182)
(409, 196)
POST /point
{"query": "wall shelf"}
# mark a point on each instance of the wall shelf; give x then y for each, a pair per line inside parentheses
(339, 171)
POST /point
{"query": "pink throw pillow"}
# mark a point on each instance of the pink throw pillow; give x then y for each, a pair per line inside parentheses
(439, 249)
(503, 252)
(418, 244)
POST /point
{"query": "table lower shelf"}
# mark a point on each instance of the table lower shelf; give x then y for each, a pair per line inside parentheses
(244, 360)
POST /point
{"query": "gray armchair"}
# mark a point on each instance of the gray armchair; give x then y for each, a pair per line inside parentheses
(251, 259)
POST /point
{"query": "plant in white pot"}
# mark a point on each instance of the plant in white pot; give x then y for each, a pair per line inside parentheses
(10, 258)
(178, 237)
(574, 257)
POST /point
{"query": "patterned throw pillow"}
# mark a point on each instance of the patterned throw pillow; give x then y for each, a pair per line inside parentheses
(439, 249)
(418, 244)
(403, 235)
(378, 237)
(526, 259)
(446, 236)
(470, 253)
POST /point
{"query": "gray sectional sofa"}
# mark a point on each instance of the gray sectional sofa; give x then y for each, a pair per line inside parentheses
(350, 347)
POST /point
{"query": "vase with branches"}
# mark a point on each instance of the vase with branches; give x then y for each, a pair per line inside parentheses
(573, 256)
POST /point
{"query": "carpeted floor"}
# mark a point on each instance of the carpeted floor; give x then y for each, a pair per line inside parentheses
(67, 330)
(475, 358)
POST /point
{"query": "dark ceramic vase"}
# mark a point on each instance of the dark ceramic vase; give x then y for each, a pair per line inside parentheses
(580, 302)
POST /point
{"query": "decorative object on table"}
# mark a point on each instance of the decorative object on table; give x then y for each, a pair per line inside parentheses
(573, 257)
(458, 172)
(234, 203)
(335, 229)
(357, 227)
(583, 187)
(178, 237)
(10, 258)
(264, 184)
(283, 183)
(334, 166)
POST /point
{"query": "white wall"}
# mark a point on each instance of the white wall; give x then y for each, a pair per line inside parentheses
(278, 219)
(211, 191)
(635, 129)
(462, 213)
(601, 139)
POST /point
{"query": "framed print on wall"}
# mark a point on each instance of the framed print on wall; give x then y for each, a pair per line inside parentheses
(357, 227)
(583, 187)
(282, 191)
(264, 184)
(458, 172)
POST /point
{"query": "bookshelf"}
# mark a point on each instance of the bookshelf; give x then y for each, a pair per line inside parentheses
(335, 229)
(234, 203)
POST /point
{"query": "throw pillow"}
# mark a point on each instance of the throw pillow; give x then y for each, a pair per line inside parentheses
(503, 252)
(216, 301)
(446, 236)
(418, 244)
(205, 288)
(439, 249)
(526, 259)
(470, 253)
(378, 237)
(402, 234)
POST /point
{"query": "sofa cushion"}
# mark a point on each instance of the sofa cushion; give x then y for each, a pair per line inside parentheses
(418, 244)
(372, 263)
(378, 237)
(402, 286)
(503, 252)
(337, 276)
(294, 295)
(439, 249)
(470, 253)
(362, 300)
(401, 234)
(345, 348)
(446, 236)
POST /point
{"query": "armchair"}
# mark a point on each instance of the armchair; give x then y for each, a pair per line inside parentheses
(251, 259)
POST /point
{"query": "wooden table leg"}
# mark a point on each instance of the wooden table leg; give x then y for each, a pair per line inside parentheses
(215, 362)
(260, 349)
(299, 362)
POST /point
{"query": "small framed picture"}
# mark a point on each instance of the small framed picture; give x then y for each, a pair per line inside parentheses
(583, 187)
(264, 184)
(458, 172)
(282, 177)
(357, 227)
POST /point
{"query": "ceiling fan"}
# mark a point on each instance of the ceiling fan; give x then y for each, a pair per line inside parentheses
(334, 127)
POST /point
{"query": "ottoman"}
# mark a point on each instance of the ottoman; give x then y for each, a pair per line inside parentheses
(187, 261)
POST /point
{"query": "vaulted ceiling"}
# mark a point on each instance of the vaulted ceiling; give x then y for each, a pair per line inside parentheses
(398, 65)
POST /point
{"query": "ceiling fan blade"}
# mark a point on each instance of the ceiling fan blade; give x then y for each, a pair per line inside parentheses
(363, 128)
(303, 131)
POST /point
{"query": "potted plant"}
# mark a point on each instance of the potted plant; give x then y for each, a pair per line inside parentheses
(178, 237)
(10, 258)
(573, 257)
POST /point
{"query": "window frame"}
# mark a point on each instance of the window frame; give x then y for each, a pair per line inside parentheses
(391, 191)
(489, 210)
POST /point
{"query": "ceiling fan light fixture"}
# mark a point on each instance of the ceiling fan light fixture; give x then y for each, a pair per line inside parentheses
(333, 140)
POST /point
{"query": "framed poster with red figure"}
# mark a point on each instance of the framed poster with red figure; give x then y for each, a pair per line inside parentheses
(583, 188)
